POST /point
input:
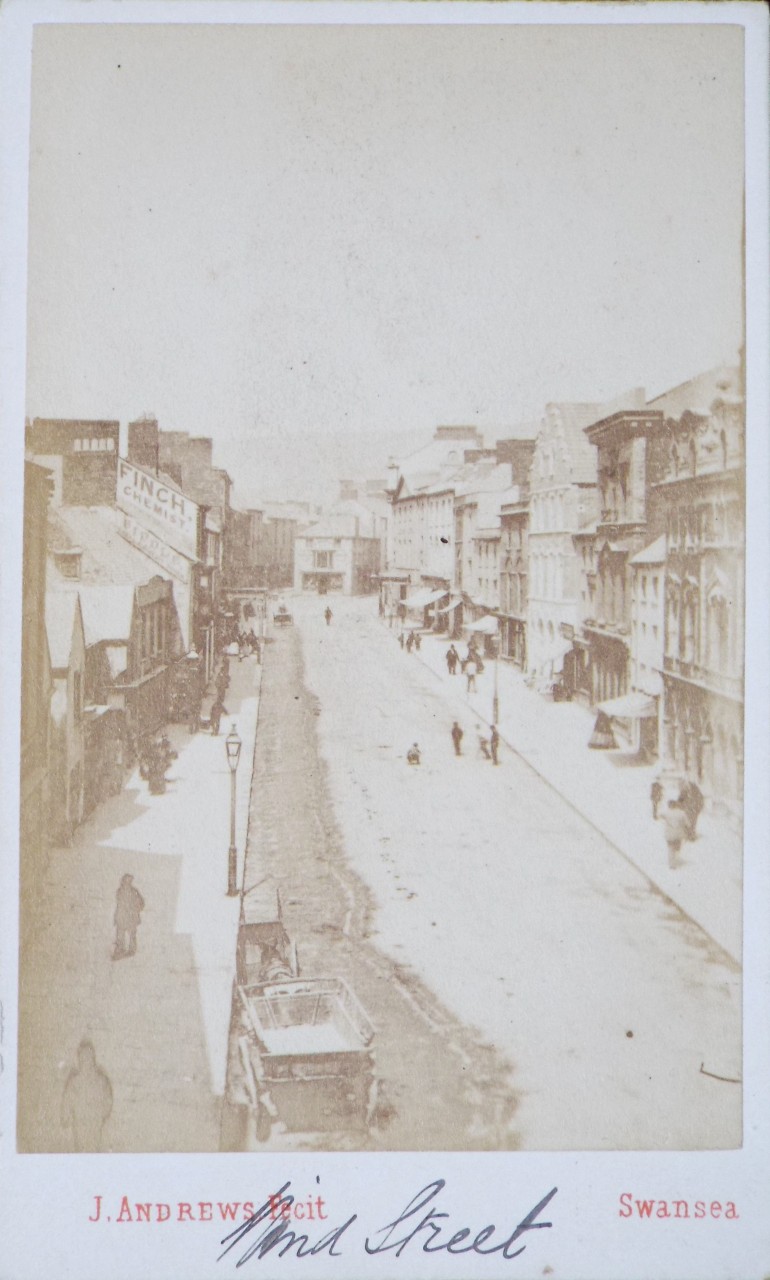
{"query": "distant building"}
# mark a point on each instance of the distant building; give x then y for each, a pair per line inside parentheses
(81, 455)
(338, 553)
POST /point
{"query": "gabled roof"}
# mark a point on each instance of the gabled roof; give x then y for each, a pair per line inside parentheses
(700, 392)
(107, 611)
(61, 616)
(655, 553)
(107, 557)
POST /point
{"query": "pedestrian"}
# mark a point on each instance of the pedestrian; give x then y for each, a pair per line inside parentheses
(413, 754)
(470, 674)
(656, 795)
(691, 801)
(218, 709)
(86, 1101)
(401, 638)
(457, 737)
(452, 659)
(410, 642)
(677, 828)
(417, 641)
(494, 743)
(129, 905)
(328, 615)
(483, 744)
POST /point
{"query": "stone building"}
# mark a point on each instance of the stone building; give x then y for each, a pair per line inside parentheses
(338, 554)
(81, 455)
(702, 506)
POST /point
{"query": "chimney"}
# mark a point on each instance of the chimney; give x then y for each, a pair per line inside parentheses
(68, 561)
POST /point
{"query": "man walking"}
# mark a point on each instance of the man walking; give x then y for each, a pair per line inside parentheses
(129, 904)
(328, 616)
(218, 709)
(452, 659)
(457, 737)
(656, 795)
(494, 743)
(691, 802)
(676, 828)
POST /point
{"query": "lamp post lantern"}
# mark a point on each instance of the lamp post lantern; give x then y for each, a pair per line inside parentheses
(233, 746)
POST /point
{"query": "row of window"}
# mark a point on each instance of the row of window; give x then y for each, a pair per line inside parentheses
(92, 444)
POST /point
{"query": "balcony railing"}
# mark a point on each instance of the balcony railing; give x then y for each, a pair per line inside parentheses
(716, 681)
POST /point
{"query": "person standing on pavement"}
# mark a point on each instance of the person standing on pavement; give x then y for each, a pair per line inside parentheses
(452, 659)
(457, 737)
(129, 905)
(410, 642)
(328, 616)
(494, 743)
(676, 830)
(86, 1101)
(417, 641)
(218, 709)
(401, 638)
(656, 795)
(483, 743)
(691, 801)
(471, 667)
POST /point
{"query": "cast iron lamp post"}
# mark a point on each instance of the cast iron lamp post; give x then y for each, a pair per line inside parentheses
(233, 746)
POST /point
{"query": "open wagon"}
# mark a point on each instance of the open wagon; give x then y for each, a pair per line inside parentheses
(306, 1051)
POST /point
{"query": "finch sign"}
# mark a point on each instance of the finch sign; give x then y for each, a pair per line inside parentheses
(159, 507)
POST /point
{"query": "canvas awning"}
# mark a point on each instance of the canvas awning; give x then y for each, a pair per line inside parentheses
(630, 706)
(421, 599)
(486, 626)
(454, 603)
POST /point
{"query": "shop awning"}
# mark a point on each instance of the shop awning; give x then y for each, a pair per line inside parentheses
(486, 626)
(631, 706)
(454, 603)
(421, 599)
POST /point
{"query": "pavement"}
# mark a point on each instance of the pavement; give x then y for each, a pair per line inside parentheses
(610, 789)
(159, 1020)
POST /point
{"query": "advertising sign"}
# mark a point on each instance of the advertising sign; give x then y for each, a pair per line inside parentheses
(178, 566)
(159, 507)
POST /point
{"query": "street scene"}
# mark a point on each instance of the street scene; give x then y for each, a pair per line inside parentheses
(382, 688)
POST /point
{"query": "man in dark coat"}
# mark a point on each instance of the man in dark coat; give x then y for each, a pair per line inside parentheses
(218, 709)
(129, 905)
(457, 737)
(494, 743)
(86, 1101)
(691, 801)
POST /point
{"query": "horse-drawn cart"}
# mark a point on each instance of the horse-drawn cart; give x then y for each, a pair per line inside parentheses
(305, 1047)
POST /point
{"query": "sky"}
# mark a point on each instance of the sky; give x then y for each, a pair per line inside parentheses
(301, 232)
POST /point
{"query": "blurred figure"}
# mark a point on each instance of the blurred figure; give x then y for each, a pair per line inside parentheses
(413, 754)
(457, 737)
(86, 1101)
(328, 615)
(129, 905)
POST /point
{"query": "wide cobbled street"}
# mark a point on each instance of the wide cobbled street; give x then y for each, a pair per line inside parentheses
(529, 987)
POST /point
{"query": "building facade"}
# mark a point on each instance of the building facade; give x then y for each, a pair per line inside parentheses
(81, 455)
(702, 503)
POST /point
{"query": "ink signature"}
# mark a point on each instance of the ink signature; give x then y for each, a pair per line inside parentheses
(420, 1221)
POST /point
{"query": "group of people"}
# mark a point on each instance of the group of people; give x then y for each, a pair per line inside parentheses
(155, 755)
(489, 747)
(248, 642)
(470, 666)
(410, 640)
(680, 817)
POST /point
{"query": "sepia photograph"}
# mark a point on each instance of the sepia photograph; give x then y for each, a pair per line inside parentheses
(382, 599)
(383, 590)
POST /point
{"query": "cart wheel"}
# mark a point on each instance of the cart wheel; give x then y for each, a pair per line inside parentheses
(263, 1124)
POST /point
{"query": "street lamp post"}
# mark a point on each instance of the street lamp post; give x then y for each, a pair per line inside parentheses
(233, 746)
(495, 698)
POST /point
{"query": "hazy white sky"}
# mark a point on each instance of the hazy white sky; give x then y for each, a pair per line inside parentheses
(324, 228)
